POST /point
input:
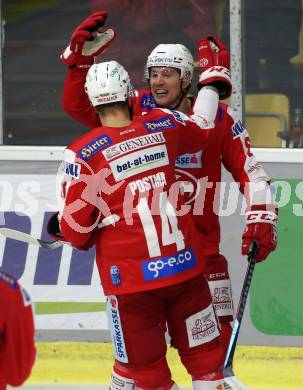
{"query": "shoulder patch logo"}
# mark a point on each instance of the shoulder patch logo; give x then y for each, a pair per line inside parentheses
(238, 129)
(178, 117)
(8, 280)
(148, 102)
(72, 169)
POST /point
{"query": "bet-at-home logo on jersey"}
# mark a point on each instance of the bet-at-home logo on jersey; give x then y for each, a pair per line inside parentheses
(139, 162)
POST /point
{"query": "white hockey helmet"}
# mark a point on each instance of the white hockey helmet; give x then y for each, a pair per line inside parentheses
(107, 82)
(172, 55)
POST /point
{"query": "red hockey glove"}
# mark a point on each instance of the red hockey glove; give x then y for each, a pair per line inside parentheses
(214, 63)
(261, 223)
(212, 52)
(87, 41)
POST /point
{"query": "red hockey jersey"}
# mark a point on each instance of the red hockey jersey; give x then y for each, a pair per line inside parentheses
(17, 349)
(124, 178)
(229, 143)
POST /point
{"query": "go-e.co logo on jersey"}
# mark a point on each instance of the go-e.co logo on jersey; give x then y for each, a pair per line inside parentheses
(170, 265)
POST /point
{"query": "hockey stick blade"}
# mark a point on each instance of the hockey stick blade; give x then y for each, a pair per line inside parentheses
(24, 237)
(228, 371)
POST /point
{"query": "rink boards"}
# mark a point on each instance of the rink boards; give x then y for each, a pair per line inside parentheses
(65, 286)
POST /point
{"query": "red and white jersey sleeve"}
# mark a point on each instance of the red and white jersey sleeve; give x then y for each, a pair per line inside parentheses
(75, 101)
(124, 178)
(239, 160)
(236, 153)
(228, 143)
(17, 348)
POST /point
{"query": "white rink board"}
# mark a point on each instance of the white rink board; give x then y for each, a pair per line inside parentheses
(24, 202)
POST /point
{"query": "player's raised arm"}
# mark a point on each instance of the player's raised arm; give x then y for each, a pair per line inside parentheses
(87, 42)
(214, 80)
(214, 63)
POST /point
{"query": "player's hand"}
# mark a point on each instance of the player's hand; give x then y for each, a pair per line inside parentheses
(212, 52)
(88, 41)
(261, 223)
(214, 63)
(53, 229)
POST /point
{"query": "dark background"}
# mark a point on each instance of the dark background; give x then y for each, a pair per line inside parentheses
(37, 31)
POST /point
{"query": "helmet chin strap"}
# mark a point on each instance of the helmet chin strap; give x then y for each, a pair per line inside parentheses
(179, 101)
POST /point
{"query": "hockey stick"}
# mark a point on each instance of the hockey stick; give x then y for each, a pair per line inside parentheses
(229, 376)
(24, 237)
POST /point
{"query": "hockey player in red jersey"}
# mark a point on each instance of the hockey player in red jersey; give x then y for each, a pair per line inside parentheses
(229, 144)
(17, 348)
(149, 253)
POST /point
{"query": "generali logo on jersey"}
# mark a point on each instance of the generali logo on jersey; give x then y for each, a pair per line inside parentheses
(137, 162)
(202, 327)
(133, 144)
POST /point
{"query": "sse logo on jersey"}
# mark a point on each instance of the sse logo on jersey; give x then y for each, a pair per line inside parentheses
(189, 160)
